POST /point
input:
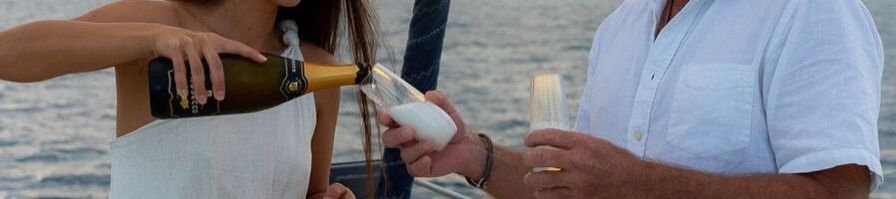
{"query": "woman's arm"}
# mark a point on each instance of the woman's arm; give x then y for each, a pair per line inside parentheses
(327, 103)
(322, 143)
(116, 33)
(46, 49)
(99, 39)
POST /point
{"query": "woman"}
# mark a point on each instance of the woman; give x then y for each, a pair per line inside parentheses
(283, 152)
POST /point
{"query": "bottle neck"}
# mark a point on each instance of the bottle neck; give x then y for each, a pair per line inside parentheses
(325, 76)
(363, 72)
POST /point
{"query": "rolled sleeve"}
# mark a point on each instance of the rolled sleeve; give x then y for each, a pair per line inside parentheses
(823, 98)
(821, 160)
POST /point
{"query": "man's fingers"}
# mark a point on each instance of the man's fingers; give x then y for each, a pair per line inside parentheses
(546, 157)
(555, 138)
(396, 137)
(387, 120)
(421, 167)
(216, 70)
(438, 98)
(556, 192)
(416, 151)
(198, 73)
(546, 180)
(549, 184)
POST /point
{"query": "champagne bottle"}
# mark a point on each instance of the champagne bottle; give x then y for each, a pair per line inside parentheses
(250, 86)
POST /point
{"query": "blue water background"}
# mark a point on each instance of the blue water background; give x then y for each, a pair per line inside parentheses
(54, 134)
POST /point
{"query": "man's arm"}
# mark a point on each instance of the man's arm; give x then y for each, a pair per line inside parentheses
(506, 178)
(464, 155)
(846, 181)
(595, 168)
(662, 181)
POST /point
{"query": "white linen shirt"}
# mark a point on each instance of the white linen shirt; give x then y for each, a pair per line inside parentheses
(739, 87)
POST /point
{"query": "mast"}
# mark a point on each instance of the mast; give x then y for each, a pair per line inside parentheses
(421, 69)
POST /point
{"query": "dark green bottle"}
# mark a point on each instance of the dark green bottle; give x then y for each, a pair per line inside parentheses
(250, 86)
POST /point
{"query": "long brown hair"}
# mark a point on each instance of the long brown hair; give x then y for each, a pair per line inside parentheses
(320, 22)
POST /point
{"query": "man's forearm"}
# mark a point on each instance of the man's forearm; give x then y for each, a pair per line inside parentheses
(506, 178)
(507, 175)
(663, 181)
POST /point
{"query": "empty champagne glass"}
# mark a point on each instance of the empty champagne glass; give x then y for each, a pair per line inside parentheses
(408, 106)
(548, 108)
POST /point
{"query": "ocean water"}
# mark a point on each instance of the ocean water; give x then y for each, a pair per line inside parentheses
(54, 134)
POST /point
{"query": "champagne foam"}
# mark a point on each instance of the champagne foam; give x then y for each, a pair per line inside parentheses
(428, 120)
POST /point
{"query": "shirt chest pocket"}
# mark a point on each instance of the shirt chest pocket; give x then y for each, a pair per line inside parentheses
(711, 109)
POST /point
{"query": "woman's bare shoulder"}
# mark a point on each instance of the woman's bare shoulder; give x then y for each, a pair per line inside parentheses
(325, 100)
(317, 54)
(136, 11)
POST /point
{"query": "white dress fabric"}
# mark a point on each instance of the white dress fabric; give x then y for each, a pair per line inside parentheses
(259, 155)
(739, 87)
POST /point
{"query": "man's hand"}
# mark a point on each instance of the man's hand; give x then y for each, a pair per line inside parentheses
(595, 168)
(463, 154)
(592, 167)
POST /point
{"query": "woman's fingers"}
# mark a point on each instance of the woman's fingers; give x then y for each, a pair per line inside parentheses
(180, 75)
(197, 71)
(216, 70)
(339, 191)
(233, 47)
(187, 49)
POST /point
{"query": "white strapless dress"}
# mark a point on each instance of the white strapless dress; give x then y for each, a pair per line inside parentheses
(259, 155)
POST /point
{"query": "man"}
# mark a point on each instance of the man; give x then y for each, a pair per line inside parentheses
(699, 99)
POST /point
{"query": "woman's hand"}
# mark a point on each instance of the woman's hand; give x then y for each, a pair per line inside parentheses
(339, 191)
(181, 45)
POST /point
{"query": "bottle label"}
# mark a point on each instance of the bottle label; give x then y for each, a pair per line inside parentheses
(190, 107)
(294, 81)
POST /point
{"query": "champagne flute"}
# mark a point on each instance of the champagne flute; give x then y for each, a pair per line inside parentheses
(408, 106)
(548, 108)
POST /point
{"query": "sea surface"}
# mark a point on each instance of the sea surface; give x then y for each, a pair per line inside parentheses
(54, 134)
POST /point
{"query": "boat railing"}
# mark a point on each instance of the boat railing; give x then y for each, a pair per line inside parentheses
(354, 176)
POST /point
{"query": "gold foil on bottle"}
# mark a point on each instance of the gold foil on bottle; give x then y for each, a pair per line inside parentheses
(293, 86)
(184, 103)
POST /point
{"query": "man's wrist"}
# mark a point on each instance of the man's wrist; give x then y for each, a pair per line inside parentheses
(476, 160)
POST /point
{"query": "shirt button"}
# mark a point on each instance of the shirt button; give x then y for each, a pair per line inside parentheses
(638, 135)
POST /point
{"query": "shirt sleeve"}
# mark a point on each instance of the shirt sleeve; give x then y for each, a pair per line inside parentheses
(822, 97)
